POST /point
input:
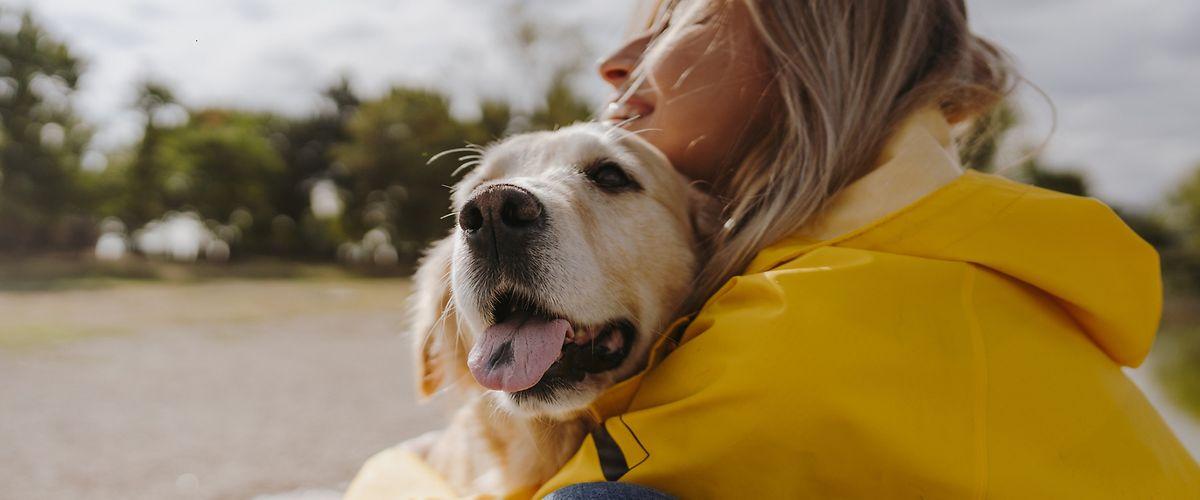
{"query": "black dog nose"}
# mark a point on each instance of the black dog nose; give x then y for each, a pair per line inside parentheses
(503, 212)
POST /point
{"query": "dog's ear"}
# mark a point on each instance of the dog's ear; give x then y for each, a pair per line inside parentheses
(440, 354)
(705, 212)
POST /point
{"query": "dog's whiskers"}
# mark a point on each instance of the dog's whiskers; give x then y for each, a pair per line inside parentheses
(469, 148)
(465, 166)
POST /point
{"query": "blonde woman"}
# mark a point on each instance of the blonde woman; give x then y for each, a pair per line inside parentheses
(875, 323)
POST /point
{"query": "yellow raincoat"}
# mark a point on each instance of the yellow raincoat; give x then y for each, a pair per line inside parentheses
(934, 335)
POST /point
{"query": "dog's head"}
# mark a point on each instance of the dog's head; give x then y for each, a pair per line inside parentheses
(572, 251)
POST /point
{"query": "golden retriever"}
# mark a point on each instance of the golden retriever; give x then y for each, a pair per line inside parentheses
(573, 249)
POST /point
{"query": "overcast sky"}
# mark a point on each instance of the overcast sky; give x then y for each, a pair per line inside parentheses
(1123, 74)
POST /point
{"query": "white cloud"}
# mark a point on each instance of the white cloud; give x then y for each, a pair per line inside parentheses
(1123, 74)
(278, 54)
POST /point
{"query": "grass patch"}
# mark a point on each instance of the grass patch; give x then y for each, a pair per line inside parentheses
(72, 272)
(31, 336)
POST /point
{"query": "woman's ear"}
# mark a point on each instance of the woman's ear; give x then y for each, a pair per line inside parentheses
(440, 354)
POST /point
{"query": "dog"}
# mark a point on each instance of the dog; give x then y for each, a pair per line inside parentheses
(572, 251)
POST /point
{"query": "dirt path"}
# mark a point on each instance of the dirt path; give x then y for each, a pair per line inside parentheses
(222, 390)
(203, 391)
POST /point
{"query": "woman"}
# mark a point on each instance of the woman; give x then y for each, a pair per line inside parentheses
(875, 323)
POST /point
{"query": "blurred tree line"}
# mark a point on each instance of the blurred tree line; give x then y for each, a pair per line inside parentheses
(350, 180)
(351, 177)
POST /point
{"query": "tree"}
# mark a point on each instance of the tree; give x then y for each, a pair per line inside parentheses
(146, 176)
(307, 148)
(41, 141)
(222, 166)
(391, 186)
(1061, 180)
(495, 119)
(390, 141)
(1185, 211)
(1185, 204)
(562, 106)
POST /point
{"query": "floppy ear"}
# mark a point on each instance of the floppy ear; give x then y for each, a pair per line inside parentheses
(440, 354)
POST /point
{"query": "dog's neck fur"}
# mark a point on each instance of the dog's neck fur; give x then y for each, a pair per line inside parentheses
(488, 449)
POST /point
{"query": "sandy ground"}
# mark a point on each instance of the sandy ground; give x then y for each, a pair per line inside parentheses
(224, 390)
(221, 390)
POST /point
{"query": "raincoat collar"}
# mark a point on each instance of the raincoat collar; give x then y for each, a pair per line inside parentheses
(919, 159)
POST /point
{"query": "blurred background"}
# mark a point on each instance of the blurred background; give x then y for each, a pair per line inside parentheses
(208, 210)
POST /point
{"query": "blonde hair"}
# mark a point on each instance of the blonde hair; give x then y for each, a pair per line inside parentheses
(844, 75)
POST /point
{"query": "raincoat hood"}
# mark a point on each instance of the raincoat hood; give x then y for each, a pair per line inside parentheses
(1076, 249)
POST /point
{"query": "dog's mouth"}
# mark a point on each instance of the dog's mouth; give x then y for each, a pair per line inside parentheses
(530, 351)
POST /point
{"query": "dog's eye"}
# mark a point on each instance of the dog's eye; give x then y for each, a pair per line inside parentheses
(609, 176)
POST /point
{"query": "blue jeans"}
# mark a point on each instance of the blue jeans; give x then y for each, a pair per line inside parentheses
(617, 491)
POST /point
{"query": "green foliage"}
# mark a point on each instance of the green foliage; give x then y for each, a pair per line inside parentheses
(306, 146)
(562, 106)
(390, 142)
(390, 184)
(146, 177)
(1185, 202)
(1181, 319)
(41, 141)
(1177, 348)
(1063, 181)
(222, 163)
(1183, 258)
(249, 176)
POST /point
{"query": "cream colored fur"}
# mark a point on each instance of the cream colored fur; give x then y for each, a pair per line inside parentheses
(629, 255)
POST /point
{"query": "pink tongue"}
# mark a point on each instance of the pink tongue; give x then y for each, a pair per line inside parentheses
(512, 356)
